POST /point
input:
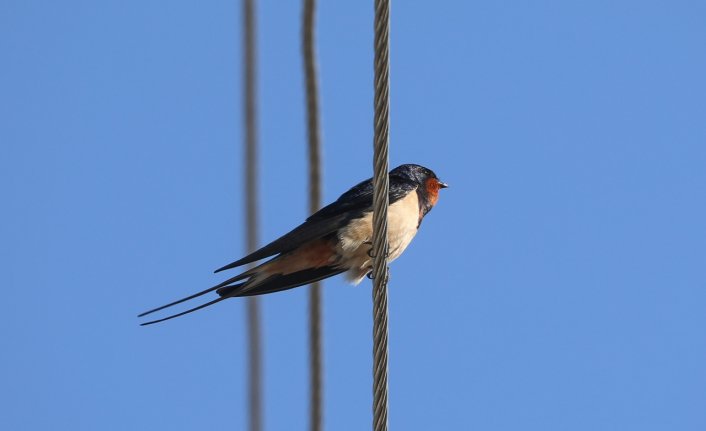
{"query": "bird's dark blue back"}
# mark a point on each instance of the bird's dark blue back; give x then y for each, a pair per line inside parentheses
(358, 200)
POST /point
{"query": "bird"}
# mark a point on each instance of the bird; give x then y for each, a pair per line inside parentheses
(336, 239)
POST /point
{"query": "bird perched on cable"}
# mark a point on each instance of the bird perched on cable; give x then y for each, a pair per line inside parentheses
(335, 239)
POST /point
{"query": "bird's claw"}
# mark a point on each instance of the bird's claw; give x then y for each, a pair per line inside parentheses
(370, 250)
(372, 277)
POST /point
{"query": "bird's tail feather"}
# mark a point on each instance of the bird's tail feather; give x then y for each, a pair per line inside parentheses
(196, 295)
(274, 283)
(191, 310)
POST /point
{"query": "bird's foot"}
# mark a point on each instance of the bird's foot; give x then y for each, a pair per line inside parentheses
(372, 277)
(370, 250)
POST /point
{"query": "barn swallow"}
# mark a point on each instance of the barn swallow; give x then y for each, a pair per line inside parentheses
(335, 239)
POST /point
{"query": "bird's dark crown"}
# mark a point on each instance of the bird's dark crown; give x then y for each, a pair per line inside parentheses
(418, 174)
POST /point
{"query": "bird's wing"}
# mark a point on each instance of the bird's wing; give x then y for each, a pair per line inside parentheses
(354, 203)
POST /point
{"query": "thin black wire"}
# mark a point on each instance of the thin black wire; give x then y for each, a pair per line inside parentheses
(381, 188)
(251, 213)
(314, 153)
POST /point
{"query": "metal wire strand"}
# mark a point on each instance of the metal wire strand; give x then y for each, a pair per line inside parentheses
(251, 212)
(314, 153)
(380, 203)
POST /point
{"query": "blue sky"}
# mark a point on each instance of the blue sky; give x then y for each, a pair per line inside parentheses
(559, 283)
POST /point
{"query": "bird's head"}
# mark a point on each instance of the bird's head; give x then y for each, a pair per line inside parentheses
(425, 178)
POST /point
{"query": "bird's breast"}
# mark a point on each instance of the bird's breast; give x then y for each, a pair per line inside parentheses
(355, 240)
(402, 223)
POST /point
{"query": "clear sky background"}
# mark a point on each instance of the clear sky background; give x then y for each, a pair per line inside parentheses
(559, 284)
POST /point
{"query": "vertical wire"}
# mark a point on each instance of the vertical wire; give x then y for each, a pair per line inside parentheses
(251, 213)
(314, 156)
(380, 204)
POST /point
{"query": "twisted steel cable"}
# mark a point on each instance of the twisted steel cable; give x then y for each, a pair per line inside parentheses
(381, 188)
(251, 213)
(314, 153)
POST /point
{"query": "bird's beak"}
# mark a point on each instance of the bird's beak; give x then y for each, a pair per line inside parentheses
(442, 185)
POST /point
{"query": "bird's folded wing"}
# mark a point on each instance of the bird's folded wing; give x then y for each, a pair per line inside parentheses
(353, 204)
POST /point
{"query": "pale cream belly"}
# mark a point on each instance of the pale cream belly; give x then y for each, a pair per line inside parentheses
(355, 241)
